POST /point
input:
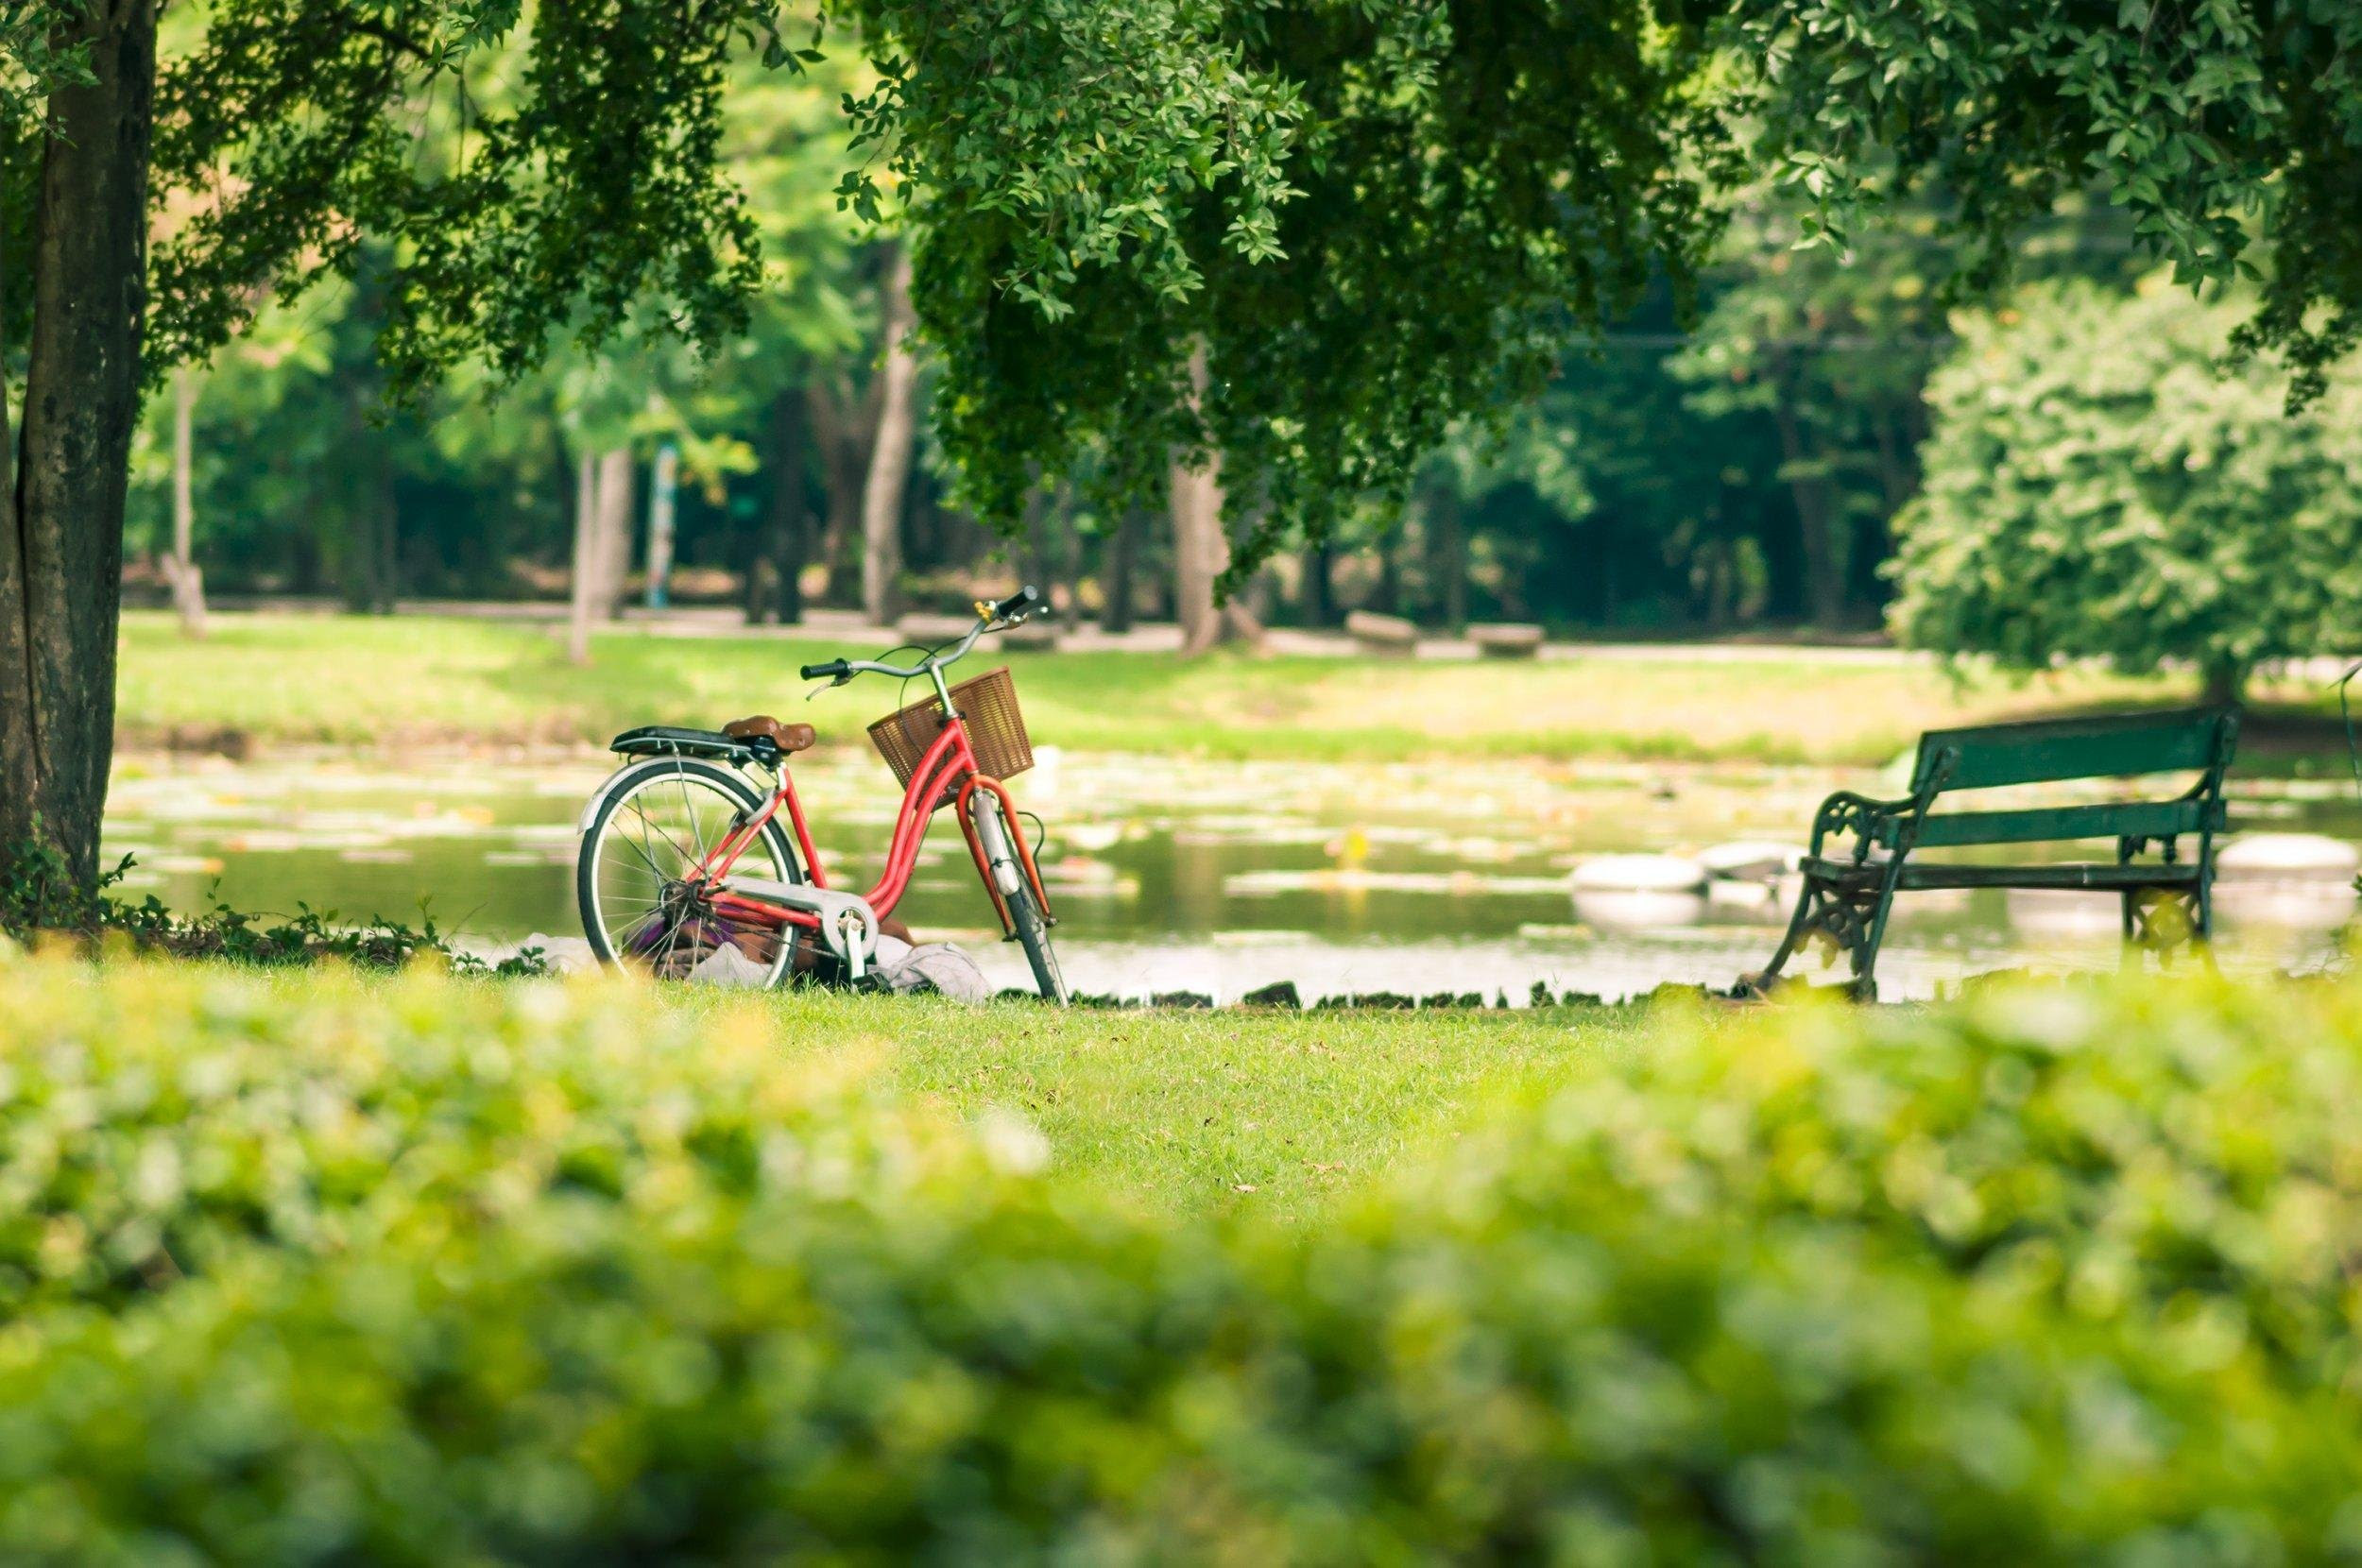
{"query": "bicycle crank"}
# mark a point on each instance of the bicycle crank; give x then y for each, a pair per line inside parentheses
(847, 924)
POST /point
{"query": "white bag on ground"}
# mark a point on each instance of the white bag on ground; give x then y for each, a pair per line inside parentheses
(728, 967)
(936, 966)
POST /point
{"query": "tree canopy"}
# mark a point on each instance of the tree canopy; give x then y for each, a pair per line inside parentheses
(1375, 221)
(1379, 220)
(500, 172)
(2230, 130)
(2098, 486)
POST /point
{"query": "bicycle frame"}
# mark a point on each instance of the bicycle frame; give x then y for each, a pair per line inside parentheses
(947, 769)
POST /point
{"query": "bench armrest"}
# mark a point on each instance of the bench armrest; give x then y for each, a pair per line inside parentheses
(1847, 812)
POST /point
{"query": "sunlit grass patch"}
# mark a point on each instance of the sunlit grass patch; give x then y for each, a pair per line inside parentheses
(359, 680)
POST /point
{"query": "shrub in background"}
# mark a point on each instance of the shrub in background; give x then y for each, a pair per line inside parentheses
(2100, 486)
(2051, 1275)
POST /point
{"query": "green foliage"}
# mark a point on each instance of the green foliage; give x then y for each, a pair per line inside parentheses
(518, 181)
(2051, 1276)
(34, 59)
(2099, 485)
(2219, 127)
(1101, 187)
(163, 1117)
(39, 897)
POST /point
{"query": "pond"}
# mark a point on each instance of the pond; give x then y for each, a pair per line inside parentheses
(1188, 876)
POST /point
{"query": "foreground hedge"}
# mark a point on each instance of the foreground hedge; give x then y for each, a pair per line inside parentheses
(2049, 1276)
(154, 1116)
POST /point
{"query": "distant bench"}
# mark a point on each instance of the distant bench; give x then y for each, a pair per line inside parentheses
(2167, 900)
(1506, 639)
(1389, 635)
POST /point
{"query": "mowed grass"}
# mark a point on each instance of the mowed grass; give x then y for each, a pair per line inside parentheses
(356, 680)
(1165, 1111)
(1176, 1112)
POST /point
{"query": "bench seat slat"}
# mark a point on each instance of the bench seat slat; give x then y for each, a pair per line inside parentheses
(1924, 875)
(2051, 824)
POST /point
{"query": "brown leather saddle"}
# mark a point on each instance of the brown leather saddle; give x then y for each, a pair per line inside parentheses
(788, 738)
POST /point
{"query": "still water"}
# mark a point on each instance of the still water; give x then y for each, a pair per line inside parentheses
(1189, 876)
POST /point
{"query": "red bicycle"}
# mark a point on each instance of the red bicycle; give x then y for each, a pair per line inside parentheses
(688, 868)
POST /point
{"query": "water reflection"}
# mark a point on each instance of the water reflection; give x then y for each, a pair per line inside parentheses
(1211, 878)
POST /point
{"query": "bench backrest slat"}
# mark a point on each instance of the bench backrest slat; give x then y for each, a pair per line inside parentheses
(2050, 751)
(2058, 824)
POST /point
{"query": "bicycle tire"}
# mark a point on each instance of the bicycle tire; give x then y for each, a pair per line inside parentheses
(1033, 934)
(619, 791)
(1027, 923)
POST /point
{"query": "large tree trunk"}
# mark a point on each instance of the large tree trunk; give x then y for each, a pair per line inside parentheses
(61, 534)
(1200, 549)
(180, 568)
(890, 456)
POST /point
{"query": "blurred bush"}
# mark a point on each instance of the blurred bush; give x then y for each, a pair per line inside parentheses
(2046, 1276)
(156, 1117)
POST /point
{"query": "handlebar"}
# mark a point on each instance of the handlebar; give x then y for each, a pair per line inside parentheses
(990, 618)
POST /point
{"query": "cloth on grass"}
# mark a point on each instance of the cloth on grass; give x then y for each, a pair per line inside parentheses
(931, 966)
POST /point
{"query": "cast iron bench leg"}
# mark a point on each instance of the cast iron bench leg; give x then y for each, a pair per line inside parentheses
(1853, 922)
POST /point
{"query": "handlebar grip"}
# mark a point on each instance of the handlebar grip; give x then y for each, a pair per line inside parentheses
(833, 669)
(1016, 604)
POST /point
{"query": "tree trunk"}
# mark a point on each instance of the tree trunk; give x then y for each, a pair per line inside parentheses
(1116, 571)
(584, 594)
(1319, 594)
(1200, 549)
(61, 536)
(1199, 552)
(180, 568)
(890, 456)
(664, 498)
(786, 527)
(1447, 559)
(386, 516)
(1824, 583)
(613, 533)
(1388, 600)
(2226, 681)
(841, 433)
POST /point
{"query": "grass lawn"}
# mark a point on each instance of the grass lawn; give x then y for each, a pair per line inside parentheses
(1177, 1112)
(350, 680)
(1173, 1113)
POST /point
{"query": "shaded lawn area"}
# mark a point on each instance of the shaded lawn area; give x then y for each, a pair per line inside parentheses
(1181, 1112)
(355, 680)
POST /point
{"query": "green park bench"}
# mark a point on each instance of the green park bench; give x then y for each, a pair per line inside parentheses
(2167, 899)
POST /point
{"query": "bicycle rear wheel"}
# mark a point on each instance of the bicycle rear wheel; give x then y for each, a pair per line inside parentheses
(642, 908)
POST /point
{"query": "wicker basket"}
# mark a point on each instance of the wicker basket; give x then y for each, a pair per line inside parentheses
(996, 729)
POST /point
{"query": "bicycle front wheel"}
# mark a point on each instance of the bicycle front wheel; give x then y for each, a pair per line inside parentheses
(1028, 924)
(1033, 933)
(642, 909)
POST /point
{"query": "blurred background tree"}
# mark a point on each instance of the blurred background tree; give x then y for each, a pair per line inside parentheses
(2099, 486)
